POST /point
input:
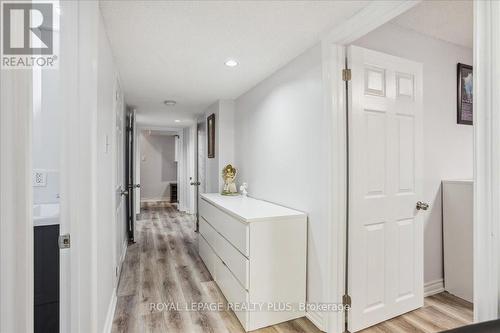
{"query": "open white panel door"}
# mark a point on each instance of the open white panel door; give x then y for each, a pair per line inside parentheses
(385, 260)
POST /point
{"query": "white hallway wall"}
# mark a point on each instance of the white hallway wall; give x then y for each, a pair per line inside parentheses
(211, 164)
(109, 252)
(224, 111)
(280, 150)
(47, 134)
(158, 167)
(448, 147)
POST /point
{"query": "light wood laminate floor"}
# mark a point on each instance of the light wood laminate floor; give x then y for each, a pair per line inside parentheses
(163, 266)
(440, 312)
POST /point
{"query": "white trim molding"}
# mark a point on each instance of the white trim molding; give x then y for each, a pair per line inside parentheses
(16, 193)
(333, 63)
(108, 324)
(152, 200)
(317, 319)
(433, 287)
(369, 18)
(486, 159)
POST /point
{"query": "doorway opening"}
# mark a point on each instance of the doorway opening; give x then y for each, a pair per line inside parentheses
(46, 208)
(158, 168)
(409, 264)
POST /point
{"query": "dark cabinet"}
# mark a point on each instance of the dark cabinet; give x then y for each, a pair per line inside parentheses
(46, 258)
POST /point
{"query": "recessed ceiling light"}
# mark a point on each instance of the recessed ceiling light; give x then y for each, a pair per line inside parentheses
(177, 120)
(170, 102)
(231, 63)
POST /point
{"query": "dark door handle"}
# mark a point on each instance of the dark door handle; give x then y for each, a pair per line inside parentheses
(195, 183)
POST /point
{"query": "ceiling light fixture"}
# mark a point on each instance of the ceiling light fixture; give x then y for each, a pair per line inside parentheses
(231, 63)
(169, 102)
(177, 120)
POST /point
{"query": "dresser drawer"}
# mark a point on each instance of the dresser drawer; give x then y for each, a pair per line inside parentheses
(237, 263)
(209, 233)
(235, 231)
(207, 255)
(233, 291)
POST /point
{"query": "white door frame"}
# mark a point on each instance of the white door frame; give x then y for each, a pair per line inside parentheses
(182, 187)
(333, 47)
(486, 159)
(16, 197)
(16, 232)
(486, 145)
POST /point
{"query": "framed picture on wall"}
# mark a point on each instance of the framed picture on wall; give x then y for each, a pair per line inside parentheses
(211, 136)
(464, 94)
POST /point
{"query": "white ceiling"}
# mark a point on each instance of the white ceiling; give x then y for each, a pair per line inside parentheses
(448, 20)
(177, 49)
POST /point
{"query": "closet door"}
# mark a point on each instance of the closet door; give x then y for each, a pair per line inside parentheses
(385, 263)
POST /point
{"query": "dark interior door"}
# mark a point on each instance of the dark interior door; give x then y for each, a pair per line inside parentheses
(129, 174)
(199, 181)
(197, 176)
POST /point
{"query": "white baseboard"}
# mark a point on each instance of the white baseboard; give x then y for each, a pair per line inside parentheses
(433, 287)
(155, 199)
(317, 319)
(108, 324)
(124, 252)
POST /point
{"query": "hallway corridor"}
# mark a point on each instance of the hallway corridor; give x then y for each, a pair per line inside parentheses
(163, 266)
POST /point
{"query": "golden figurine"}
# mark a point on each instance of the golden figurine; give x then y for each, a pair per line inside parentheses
(229, 175)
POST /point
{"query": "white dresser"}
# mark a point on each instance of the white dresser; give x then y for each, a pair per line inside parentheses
(458, 237)
(256, 252)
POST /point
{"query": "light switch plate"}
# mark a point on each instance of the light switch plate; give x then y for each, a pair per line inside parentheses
(39, 178)
(106, 144)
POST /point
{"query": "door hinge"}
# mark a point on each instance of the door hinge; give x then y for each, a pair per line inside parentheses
(346, 74)
(64, 241)
(346, 300)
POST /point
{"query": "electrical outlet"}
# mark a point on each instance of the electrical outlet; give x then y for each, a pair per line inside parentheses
(39, 178)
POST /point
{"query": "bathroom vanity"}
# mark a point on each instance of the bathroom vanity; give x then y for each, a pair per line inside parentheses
(256, 253)
(46, 267)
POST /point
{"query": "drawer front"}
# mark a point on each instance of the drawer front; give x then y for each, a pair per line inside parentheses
(233, 291)
(237, 263)
(207, 255)
(208, 233)
(235, 231)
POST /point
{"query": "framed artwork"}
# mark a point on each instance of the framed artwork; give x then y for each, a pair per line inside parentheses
(464, 94)
(211, 136)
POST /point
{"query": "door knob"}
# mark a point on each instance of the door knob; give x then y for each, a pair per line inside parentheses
(422, 205)
(123, 192)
